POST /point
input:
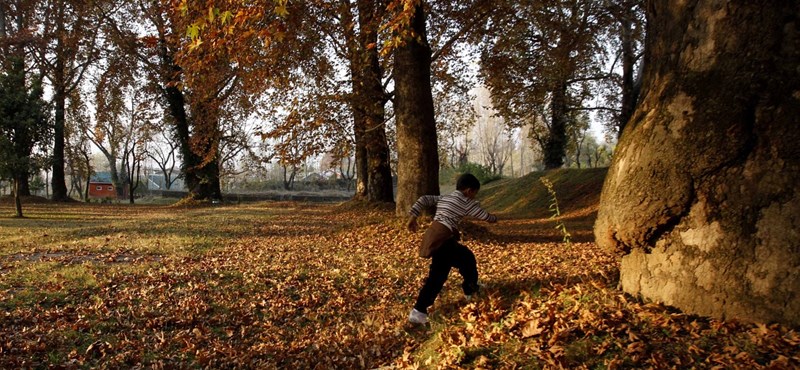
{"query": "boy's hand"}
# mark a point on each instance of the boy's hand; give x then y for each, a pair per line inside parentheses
(412, 225)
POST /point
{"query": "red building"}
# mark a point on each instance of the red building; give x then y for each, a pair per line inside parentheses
(101, 187)
(101, 190)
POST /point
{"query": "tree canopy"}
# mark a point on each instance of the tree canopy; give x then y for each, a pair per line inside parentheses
(23, 124)
(225, 82)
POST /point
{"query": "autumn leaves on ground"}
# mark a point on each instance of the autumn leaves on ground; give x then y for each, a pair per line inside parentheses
(299, 285)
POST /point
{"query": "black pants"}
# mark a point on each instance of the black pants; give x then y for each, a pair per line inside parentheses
(450, 254)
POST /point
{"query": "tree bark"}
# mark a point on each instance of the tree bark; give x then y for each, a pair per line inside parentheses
(59, 182)
(417, 146)
(359, 112)
(703, 196)
(628, 59)
(24, 184)
(201, 173)
(17, 201)
(379, 173)
(22, 151)
(555, 145)
(362, 159)
(374, 177)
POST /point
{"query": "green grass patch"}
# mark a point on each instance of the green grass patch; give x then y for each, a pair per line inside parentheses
(526, 197)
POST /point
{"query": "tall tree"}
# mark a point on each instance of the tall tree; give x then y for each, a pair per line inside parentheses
(351, 30)
(539, 58)
(78, 146)
(69, 31)
(23, 125)
(629, 17)
(162, 152)
(369, 98)
(234, 49)
(626, 36)
(493, 141)
(15, 37)
(702, 196)
(113, 121)
(417, 144)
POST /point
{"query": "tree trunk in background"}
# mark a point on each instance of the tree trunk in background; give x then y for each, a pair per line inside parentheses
(177, 110)
(702, 198)
(628, 59)
(359, 128)
(24, 184)
(59, 182)
(202, 180)
(374, 176)
(17, 201)
(379, 176)
(417, 147)
(18, 65)
(555, 146)
(201, 172)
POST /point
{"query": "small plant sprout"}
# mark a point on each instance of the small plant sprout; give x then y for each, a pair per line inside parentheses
(556, 212)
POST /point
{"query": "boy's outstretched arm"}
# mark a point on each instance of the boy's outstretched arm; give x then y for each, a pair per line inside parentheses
(424, 202)
(481, 214)
(413, 226)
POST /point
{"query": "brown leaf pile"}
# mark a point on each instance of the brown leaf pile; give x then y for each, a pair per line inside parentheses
(329, 287)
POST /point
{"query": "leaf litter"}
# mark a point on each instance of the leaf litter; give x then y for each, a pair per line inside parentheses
(321, 286)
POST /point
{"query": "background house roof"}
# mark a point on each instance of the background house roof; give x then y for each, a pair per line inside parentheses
(101, 177)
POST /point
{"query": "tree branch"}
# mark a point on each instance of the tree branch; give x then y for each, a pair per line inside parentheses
(449, 43)
(596, 108)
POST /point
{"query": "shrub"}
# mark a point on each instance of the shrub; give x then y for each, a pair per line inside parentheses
(482, 172)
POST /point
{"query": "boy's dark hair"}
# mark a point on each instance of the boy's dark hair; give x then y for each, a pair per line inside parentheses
(468, 181)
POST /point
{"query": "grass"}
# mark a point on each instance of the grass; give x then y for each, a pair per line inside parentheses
(297, 285)
(578, 193)
(145, 229)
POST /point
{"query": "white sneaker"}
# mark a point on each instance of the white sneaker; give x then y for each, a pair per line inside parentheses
(417, 317)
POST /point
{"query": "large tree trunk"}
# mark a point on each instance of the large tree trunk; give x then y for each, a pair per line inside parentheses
(417, 147)
(374, 177)
(202, 170)
(201, 175)
(204, 142)
(379, 176)
(702, 198)
(24, 184)
(199, 165)
(356, 105)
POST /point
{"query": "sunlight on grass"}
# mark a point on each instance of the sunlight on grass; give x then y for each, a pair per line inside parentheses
(146, 229)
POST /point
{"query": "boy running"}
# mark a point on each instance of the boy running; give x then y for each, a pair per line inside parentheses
(440, 242)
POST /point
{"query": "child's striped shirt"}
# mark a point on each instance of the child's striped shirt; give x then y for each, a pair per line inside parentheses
(451, 208)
